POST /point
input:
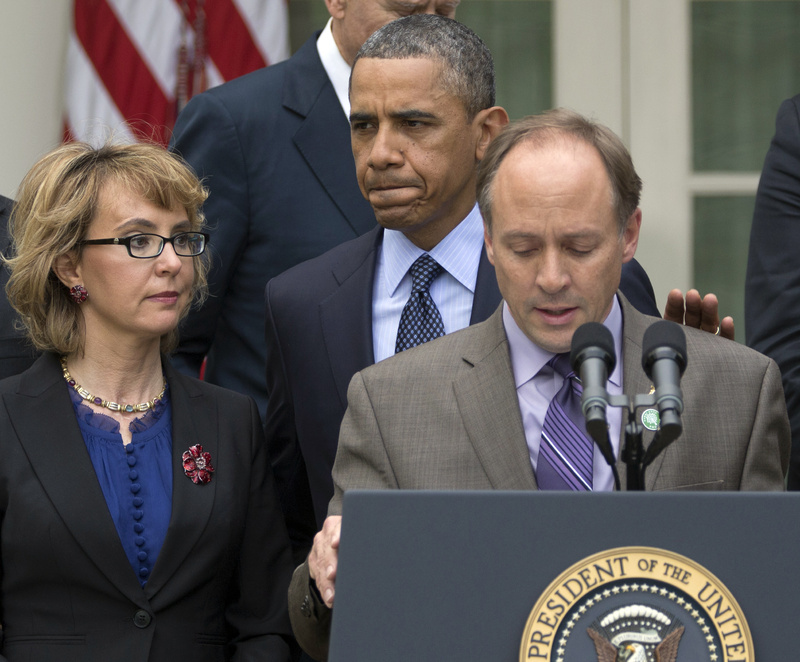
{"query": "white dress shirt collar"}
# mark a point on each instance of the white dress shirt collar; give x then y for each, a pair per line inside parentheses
(459, 253)
(335, 66)
(455, 253)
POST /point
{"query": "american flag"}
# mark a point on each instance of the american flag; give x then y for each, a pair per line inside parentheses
(133, 64)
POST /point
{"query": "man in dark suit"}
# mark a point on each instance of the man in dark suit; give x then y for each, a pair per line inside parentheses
(16, 353)
(274, 149)
(772, 286)
(486, 407)
(322, 316)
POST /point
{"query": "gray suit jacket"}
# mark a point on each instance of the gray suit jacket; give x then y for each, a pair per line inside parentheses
(446, 416)
(427, 421)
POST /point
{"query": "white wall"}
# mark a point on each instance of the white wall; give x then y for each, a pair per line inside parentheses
(33, 45)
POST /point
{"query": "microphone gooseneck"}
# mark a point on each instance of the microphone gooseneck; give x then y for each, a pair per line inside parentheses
(592, 357)
(664, 360)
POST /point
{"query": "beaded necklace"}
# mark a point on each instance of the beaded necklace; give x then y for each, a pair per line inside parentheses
(113, 406)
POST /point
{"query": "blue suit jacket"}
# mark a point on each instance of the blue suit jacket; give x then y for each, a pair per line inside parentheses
(318, 335)
(274, 150)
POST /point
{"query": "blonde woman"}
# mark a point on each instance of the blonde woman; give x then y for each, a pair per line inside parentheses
(138, 513)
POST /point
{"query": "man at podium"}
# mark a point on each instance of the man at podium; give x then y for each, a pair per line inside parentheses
(494, 406)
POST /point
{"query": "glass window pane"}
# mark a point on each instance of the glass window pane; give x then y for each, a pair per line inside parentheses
(721, 237)
(745, 61)
(519, 34)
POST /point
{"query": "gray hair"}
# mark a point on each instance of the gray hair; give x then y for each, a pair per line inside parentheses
(466, 63)
(544, 129)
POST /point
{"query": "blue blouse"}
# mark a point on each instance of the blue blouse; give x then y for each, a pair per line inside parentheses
(136, 479)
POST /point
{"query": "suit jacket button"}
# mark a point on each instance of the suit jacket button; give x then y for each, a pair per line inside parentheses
(141, 619)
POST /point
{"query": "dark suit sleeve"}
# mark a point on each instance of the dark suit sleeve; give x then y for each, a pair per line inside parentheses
(16, 353)
(206, 136)
(361, 461)
(637, 288)
(256, 612)
(772, 286)
(285, 454)
(2, 574)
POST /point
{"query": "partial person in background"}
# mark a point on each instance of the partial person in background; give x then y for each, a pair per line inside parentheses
(139, 515)
(16, 352)
(273, 147)
(772, 287)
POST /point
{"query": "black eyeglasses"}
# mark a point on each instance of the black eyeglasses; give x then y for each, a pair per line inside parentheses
(145, 245)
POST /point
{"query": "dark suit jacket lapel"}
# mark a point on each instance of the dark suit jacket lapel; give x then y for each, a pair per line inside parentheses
(346, 315)
(489, 408)
(635, 381)
(487, 294)
(195, 420)
(45, 422)
(325, 134)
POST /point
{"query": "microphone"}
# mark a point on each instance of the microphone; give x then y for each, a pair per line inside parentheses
(593, 358)
(664, 360)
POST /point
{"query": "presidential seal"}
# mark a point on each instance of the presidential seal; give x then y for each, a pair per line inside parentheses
(636, 604)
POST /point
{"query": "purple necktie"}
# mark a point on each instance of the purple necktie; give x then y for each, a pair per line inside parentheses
(565, 451)
(420, 320)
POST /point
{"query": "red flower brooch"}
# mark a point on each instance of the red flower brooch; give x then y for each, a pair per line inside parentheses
(197, 464)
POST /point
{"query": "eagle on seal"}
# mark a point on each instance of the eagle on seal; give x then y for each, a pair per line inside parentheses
(666, 651)
(636, 633)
